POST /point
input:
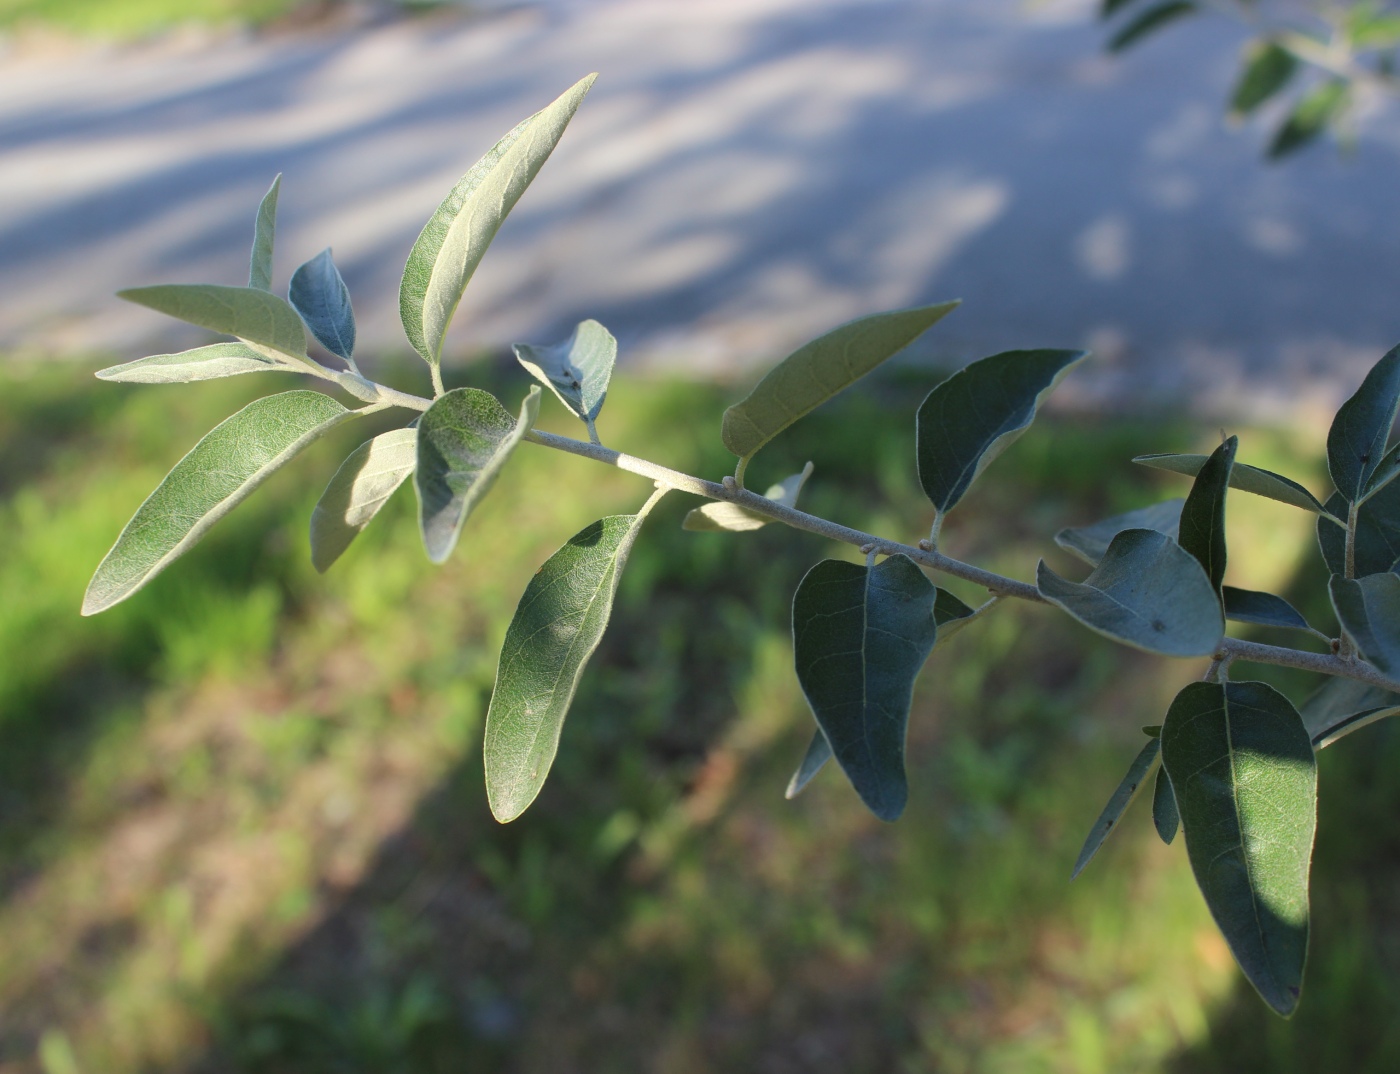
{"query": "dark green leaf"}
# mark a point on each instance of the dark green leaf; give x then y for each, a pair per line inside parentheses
(252, 315)
(1310, 118)
(1165, 818)
(1340, 706)
(456, 237)
(1151, 20)
(319, 294)
(202, 363)
(577, 370)
(860, 636)
(818, 753)
(978, 412)
(1356, 442)
(361, 486)
(464, 439)
(1242, 766)
(217, 475)
(557, 626)
(1369, 610)
(1266, 609)
(1377, 533)
(1090, 542)
(1108, 7)
(950, 614)
(1117, 804)
(1267, 69)
(1147, 592)
(1203, 518)
(264, 231)
(816, 372)
(1243, 477)
(735, 519)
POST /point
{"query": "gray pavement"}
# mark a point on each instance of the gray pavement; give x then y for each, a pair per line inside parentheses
(745, 174)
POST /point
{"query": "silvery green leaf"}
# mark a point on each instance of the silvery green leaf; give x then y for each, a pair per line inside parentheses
(1149, 21)
(1147, 592)
(1090, 542)
(1243, 477)
(577, 370)
(318, 293)
(1356, 442)
(362, 485)
(264, 231)
(1369, 610)
(721, 515)
(246, 312)
(1202, 528)
(456, 237)
(1118, 803)
(1265, 609)
(820, 370)
(1377, 533)
(1340, 706)
(980, 411)
(557, 626)
(818, 753)
(1165, 817)
(202, 363)
(860, 636)
(217, 475)
(464, 439)
(1242, 768)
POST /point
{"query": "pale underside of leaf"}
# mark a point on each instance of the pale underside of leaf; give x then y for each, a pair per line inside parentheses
(733, 518)
(253, 315)
(1243, 477)
(218, 474)
(1090, 542)
(577, 370)
(202, 363)
(1148, 592)
(1340, 706)
(557, 626)
(1245, 779)
(1117, 805)
(818, 753)
(820, 370)
(264, 233)
(362, 485)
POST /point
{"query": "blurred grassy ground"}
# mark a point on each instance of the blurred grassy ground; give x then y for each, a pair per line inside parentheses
(242, 826)
(138, 18)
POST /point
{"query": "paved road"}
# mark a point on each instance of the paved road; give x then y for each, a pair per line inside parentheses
(745, 174)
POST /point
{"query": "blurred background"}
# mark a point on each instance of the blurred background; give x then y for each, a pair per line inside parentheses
(242, 823)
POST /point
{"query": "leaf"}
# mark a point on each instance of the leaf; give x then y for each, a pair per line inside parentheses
(362, 485)
(816, 372)
(464, 439)
(1165, 818)
(1265, 609)
(1151, 20)
(1090, 542)
(813, 761)
(557, 626)
(730, 516)
(1377, 533)
(1148, 592)
(1310, 117)
(1357, 438)
(456, 237)
(1369, 610)
(202, 363)
(1243, 477)
(217, 475)
(1242, 766)
(245, 312)
(860, 636)
(893, 602)
(319, 294)
(577, 370)
(1267, 69)
(1203, 518)
(1340, 706)
(264, 230)
(980, 411)
(1117, 804)
(950, 614)
(1108, 7)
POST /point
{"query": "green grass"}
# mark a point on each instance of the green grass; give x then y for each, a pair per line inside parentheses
(242, 826)
(133, 18)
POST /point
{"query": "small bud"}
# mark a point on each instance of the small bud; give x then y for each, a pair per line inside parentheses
(925, 545)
